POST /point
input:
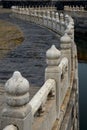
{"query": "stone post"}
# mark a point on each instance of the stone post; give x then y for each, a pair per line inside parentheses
(17, 110)
(53, 21)
(70, 32)
(66, 50)
(44, 18)
(66, 20)
(62, 27)
(53, 72)
(57, 22)
(48, 18)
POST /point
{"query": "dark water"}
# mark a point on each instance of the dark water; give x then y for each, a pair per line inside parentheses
(81, 40)
(83, 95)
(29, 57)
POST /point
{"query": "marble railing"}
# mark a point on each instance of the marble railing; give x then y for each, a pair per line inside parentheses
(74, 8)
(47, 105)
(53, 20)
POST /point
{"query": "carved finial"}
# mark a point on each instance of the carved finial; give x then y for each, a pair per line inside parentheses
(17, 90)
(61, 17)
(10, 127)
(53, 52)
(53, 15)
(65, 38)
(57, 16)
(53, 55)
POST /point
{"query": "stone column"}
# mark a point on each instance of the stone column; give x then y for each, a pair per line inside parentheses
(53, 72)
(17, 110)
(66, 50)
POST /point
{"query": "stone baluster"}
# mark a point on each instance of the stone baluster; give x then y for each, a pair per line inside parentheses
(81, 8)
(48, 19)
(31, 14)
(16, 9)
(35, 16)
(77, 8)
(17, 110)
(70, 29)
(40, 16)
(73, 50)
(70, 8)
(53, 72)
(62, 24)
(66, 20)
(45, 18)
(43, 15)
(57, 22)
(20, 10)
(73, 8)
(65, 45)
(53, 21)
(65, 8)
(28, 13)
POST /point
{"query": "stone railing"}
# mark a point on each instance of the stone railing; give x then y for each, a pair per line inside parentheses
(23, 113)
(74, 8)
(53, 20)
(49, 104)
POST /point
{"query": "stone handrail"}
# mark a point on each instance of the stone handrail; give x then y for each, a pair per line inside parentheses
(38, 101)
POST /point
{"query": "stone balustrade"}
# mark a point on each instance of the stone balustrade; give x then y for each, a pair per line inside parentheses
(74, 8)
(50, 19)
(47, 106)
(22, 112)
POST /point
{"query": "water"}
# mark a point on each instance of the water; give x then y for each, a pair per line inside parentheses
(82, 56)
(83, 95)
(29, 57)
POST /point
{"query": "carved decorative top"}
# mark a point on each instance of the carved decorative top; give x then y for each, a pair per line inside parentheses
(17, 90)
(17, 84)
(65, 39)
(10, 127)
(53, 53)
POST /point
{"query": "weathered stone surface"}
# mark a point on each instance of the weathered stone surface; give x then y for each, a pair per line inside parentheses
(17, 90)
(55, 108)
(10, 127)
